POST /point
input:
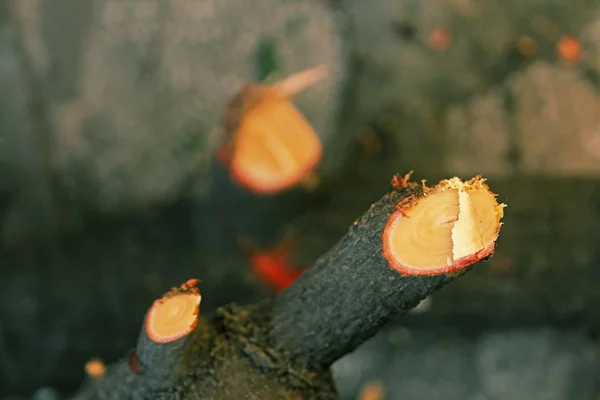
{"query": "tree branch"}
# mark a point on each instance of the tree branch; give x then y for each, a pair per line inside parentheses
(409, 244)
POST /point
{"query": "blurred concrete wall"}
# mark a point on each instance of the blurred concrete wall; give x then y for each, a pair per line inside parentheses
(111, 105)
(480, 86)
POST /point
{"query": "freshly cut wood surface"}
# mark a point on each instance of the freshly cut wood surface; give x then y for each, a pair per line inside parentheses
(546, 267)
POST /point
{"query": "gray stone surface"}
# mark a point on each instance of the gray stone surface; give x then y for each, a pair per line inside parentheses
(401, 66)
(539, 364)
(551, 128)
(413, 82)
(590, 36)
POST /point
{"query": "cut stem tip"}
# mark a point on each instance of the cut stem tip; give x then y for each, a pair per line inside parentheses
(175, 314)
(95, 368)
(444, 229)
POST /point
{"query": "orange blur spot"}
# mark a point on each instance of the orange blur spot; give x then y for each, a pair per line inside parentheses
(95, 368)
(274, 266)
(372, 391)
(439, 39)
(569, 49)
(275, 147)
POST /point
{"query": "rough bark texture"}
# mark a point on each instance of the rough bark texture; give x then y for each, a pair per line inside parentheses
(540, 283)
(69, 299)
(349, 293)
(72, 300)
(537, 283)
(228, 357)
(285, 346)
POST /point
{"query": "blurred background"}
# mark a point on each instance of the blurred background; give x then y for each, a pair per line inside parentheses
(110, 191)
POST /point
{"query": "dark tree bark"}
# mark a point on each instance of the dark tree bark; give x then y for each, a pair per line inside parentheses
(283, 347)
(545, 270)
